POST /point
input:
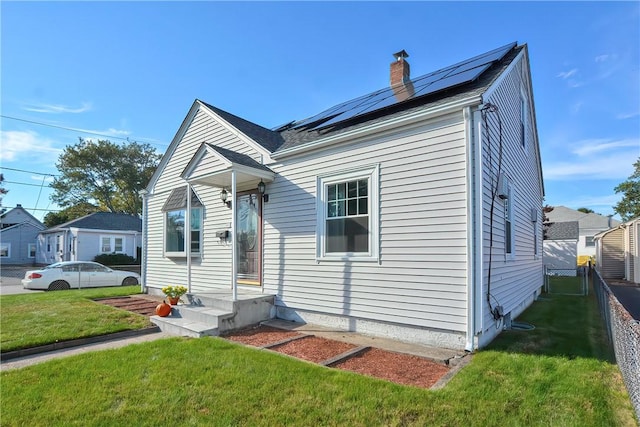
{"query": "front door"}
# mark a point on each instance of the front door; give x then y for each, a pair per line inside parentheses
(249, 238)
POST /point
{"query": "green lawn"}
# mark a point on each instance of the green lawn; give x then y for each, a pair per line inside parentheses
(559, 374)
(29, 320)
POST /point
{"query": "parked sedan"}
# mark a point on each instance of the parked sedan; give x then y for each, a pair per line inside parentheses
(77, 274)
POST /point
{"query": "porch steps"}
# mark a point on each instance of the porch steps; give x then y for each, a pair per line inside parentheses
(210, 314)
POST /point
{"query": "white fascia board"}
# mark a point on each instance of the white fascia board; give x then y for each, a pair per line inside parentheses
(266, 155)
(381, 126)
(90, 230)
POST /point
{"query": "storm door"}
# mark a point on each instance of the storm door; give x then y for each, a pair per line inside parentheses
(249, 238)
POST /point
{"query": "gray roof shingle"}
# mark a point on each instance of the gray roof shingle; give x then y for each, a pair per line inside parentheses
(238, 158)
(562, 231)
(104, 221)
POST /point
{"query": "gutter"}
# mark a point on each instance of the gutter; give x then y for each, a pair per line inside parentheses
(378, 127)
(143, 262)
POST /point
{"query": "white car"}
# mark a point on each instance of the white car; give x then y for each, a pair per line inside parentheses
(77, 274)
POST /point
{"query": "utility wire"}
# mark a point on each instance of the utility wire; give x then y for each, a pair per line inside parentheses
(22, 170)
(79, 130)
(22, 183)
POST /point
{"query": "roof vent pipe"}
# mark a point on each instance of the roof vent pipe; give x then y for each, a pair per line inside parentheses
(400, 77)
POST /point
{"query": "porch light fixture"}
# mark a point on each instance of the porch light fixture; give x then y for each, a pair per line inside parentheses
(223, 197)
(261, 189)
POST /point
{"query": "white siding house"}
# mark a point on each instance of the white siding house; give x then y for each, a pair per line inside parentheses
(84, 238)
(413, 212)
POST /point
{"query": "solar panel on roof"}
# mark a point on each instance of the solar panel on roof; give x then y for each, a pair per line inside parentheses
(445, 78)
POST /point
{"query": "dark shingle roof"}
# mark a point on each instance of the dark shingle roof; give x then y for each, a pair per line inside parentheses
(562, 231)
(178, 199)
(104, 221)
(269, 139)
(285, 138)
(238, 158)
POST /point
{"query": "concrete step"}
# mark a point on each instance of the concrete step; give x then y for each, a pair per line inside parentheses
(180, 326)
(208, 315)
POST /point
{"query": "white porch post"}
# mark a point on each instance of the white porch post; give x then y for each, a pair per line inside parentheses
(234, 247)
(187, 226)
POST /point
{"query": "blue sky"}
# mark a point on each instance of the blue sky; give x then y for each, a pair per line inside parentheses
(133, 69)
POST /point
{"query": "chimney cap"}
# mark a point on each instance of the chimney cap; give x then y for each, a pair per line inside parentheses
(400, 55)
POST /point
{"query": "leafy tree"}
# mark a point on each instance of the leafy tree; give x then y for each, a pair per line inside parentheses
(106, 174)
(545, 221)
(3, 190)
(72, 212)
(629, 207)
(586, 210)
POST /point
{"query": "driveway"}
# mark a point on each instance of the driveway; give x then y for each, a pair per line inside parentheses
(629, 297)
(10, 279)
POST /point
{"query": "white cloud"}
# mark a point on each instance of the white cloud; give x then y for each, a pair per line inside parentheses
(46, 178)
(601, 58)
(594, 146)
(18, 144)
(567, 74)
(624, 116)
(594, 166)
(57, 108)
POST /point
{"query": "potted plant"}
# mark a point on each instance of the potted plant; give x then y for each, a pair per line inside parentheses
(174, 293)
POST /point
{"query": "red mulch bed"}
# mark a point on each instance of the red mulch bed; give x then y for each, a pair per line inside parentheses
(314, 349)
(138, 305)
(261, 335)
(395, 367)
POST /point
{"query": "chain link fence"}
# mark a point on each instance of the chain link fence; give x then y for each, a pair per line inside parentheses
(624, 336)
(566, 281)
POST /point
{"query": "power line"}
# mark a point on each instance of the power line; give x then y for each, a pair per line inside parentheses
(22, 170)
(78, 130)
(33, 209)
(22, 183)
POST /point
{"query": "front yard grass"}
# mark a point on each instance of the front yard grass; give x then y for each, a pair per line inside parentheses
(30, 320)
(559, 374)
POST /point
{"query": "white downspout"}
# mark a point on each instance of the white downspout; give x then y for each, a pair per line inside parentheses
(187, 242)
(474, 224)
(468, 127)
(143, 261)
(234, 248)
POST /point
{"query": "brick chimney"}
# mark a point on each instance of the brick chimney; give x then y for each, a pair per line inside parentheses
(400, 77)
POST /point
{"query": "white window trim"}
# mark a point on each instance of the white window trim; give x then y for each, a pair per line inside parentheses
(372, 173)
(35, 250)
(8, 246)
(524, 120)
(181, 254)
(112, 244)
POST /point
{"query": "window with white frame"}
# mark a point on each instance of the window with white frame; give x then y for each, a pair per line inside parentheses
(508, 222)
(111, 244)
(31, 250)
(523, 120)
(5, 250)
(347, 221)
(589, 241)
(175, 216)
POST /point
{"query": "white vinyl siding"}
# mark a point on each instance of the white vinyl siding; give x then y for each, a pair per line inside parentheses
(420, 278)
(213, 269)
(514, 278)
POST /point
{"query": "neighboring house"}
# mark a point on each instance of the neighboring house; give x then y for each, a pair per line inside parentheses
(82, 239)
(18, 236)
(590, 224)
(618, 251)
(378, 213)
(561, 248)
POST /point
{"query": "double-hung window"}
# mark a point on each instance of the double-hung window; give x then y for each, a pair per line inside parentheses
(175, 224)
(347, 220)
(111, 244)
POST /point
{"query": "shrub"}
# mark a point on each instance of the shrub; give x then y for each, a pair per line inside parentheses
(115, 259)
